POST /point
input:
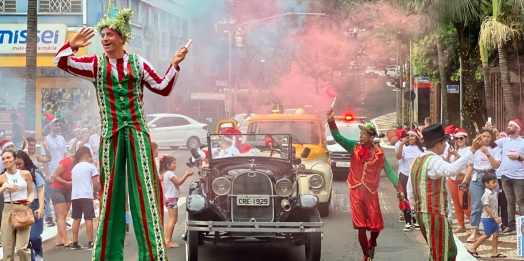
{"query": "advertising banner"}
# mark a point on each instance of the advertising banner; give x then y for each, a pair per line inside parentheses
(50, 37)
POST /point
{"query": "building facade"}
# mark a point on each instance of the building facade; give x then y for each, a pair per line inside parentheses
(159, 28)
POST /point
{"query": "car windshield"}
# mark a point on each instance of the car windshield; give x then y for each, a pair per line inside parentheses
(351, 132)
(303, 132)
(251, 145)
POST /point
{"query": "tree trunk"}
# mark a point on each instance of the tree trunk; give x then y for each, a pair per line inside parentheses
(509, 103)
(30, 78)
(486, 75)
(443, 81)
(469, 109)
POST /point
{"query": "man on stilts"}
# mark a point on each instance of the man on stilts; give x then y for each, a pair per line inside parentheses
(125, 146)
(367, 161)
(427, 191)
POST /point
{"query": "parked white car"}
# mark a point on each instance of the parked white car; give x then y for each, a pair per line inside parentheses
(175, 130)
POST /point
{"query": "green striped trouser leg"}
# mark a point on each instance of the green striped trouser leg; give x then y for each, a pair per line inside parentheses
(437, 232)
(132, 149)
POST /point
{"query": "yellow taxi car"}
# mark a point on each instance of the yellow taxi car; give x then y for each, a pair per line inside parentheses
(306, 131)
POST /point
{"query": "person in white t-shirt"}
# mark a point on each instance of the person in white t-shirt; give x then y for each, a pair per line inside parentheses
(84, 177)
(72, 142)
(453, 154)
(170, 184)
(57, 146)
(410, 147)
(94, 142)
(84, 135)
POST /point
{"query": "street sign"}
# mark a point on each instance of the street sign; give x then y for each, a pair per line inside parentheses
(221, 83)
(423, 79)
(453, 89)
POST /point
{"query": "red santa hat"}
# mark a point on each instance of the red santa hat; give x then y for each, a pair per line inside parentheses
(516, 123)
(50, 118)
(461, 132)
(401, 133)
(414, 132)
(450, 130)
(5, 143)
(235, 139)
(244, 147)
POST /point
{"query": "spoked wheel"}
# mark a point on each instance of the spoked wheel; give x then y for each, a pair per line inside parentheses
(191, 242)
(313, 240)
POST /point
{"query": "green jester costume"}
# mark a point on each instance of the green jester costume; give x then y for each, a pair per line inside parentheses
(125, 146)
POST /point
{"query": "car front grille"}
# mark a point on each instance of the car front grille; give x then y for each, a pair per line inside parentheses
(252, 183)
(340, 156)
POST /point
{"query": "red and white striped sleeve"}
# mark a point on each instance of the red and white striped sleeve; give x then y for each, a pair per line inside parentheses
(155, 83)
(83, 66)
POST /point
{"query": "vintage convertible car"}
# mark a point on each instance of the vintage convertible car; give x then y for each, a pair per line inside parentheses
(253, 195)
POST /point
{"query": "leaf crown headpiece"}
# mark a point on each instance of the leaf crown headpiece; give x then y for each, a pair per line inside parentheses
(117, 20)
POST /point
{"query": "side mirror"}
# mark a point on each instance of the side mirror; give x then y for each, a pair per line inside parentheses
(305, 153)
(152, 126)
(382, 135)
(330, 140)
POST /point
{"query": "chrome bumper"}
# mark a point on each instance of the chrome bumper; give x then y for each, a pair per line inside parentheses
(252, 227)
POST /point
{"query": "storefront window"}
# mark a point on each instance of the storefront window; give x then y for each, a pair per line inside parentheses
(73, 106)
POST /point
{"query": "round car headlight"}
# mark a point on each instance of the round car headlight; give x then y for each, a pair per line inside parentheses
(284, 187)
(316, 181)
(221, 186)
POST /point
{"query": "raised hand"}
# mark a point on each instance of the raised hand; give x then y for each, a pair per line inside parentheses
(331, 115)
(81, 39)
(179, 56)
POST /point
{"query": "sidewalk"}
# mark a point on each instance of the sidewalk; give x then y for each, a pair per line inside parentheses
(50, 232)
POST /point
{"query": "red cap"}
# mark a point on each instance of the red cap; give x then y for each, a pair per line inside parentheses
(516, 123)
(5, 143)
(450, 129)
(461, 132)
(401, 133)
(236, 139)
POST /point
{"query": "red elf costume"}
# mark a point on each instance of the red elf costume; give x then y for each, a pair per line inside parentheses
(367, 161)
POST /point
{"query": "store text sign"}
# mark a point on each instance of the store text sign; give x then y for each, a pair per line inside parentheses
(50, 37)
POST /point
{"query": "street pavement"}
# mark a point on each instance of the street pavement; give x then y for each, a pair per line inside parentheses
(339, 243)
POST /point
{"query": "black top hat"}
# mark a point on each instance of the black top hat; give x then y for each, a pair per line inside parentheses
(433, 134)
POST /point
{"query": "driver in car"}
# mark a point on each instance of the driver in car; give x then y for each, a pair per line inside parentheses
(226, 148)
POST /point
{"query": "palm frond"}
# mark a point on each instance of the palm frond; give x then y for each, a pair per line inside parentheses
(494, 33)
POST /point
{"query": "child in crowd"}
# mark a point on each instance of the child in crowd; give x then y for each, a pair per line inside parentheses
(84, 186)
(490, 219)
(170, 185)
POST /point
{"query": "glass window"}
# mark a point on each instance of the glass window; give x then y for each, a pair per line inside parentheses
(302, 131)
(179, 121)
(60, 6)
(7, 6)
(164, 122)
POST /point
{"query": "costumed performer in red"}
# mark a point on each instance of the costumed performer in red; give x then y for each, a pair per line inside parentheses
(367, 161)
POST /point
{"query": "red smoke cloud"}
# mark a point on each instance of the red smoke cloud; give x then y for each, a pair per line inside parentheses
(318, 50)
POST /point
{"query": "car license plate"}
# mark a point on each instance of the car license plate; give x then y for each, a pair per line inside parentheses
(343, 164)
(252, 200)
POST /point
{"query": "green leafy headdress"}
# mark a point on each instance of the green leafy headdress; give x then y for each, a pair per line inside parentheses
(117, 20)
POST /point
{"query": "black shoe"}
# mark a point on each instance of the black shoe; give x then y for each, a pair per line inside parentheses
(76, 246)
(49, 222)
(508, 231)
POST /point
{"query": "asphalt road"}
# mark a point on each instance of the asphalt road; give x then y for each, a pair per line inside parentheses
(340, 239)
